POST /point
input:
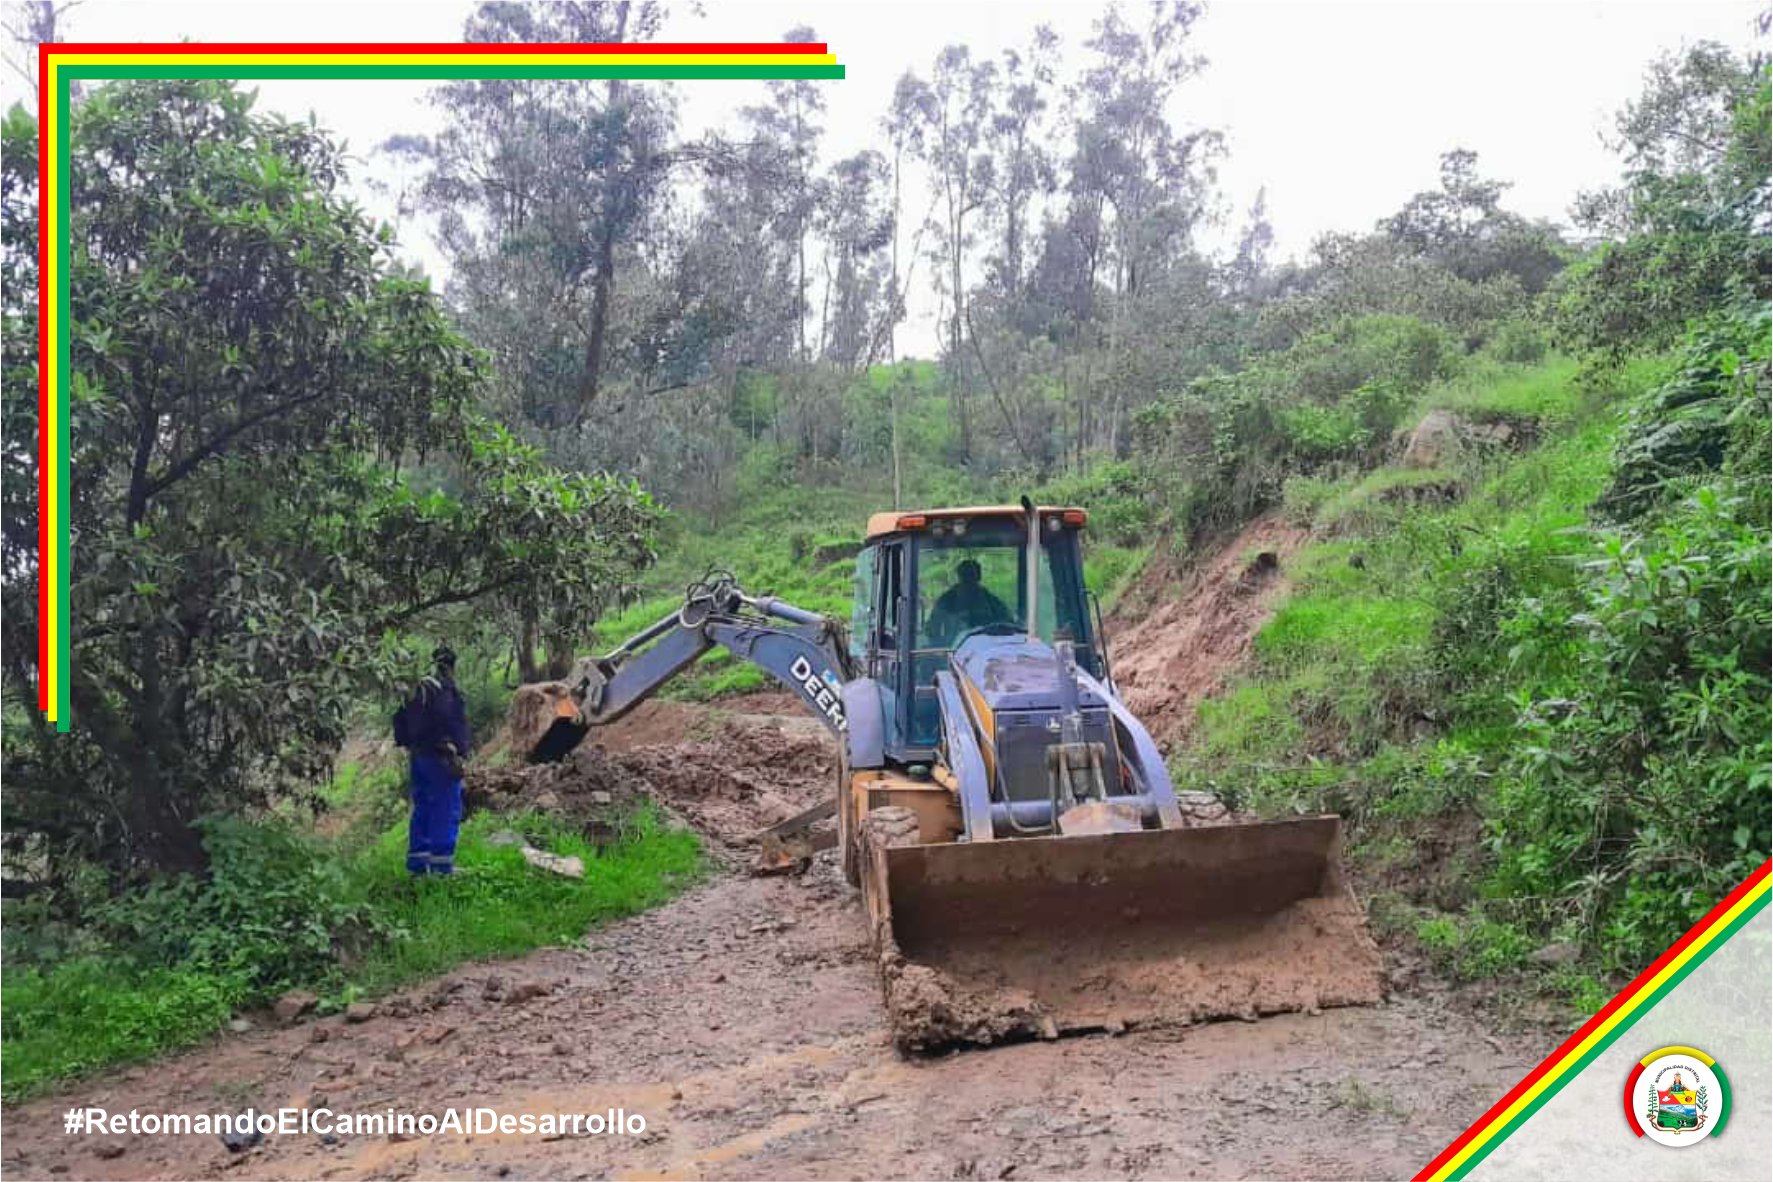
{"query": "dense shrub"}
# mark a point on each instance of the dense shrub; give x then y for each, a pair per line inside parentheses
(1639, 793)
(1682, 429)
(1518, 341)
(1641, 292)
(1224, 448)
(1114, 494)
(273, 910)
(1689, 226)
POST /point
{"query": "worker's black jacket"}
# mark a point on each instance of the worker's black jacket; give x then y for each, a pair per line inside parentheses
(965, 606)
(433, 719)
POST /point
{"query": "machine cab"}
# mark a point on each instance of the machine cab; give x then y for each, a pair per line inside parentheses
(928, 580)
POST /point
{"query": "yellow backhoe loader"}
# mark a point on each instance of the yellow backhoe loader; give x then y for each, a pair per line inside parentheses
(1012, 827)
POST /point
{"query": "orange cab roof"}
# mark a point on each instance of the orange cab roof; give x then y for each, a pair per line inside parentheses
(888, 522)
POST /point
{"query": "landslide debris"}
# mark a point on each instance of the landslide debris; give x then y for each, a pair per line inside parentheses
(1173, 648)
(728, 787)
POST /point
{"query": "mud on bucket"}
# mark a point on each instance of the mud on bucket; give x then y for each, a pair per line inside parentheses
(1038, 936)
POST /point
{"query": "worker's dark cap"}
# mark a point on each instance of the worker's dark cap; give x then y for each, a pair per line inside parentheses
(443, 655)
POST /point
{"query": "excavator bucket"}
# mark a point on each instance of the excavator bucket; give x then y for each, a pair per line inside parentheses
(545, 723)
(1040, 936)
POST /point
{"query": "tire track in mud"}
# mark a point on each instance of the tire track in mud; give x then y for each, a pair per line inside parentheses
(744, 1021)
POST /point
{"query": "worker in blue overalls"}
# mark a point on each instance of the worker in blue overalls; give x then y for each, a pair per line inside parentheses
(433, 727)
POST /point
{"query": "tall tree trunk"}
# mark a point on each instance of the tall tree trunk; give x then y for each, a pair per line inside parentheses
(560, 654)
(159, 833)
(957, 225)
(893, 413)
(604, 281)
(893, 290)
(527, 638)
(168, 839)
(601, 289)
(800, 230)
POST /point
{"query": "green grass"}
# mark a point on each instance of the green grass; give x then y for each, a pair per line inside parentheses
(497, 905)
(1547, 393)
(1330, 666)
(64, 1017)
(1471, 947)
(96, 1011)
(1348, 654)
(1347, 659)
(1109, 570)
(1381, 498)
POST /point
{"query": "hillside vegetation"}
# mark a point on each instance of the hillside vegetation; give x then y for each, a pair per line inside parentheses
(1541, 691)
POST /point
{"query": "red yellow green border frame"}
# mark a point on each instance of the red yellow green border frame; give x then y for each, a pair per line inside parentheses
(1602, 1030)
(62, 63)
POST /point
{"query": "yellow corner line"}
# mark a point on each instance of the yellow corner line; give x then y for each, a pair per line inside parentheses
(1694, 1051)
(1618, 1016)
(449, 59)
(48, 566)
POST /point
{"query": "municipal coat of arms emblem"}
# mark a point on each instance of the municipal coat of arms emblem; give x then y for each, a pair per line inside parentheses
(1677, 1096)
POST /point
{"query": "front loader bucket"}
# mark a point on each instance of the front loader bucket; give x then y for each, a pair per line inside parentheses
(1040, 936)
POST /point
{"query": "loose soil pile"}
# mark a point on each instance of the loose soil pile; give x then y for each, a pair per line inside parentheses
(727, 787)
(1147, 930)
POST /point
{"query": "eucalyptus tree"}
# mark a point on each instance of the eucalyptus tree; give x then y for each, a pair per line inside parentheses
(1018, 140)
(956, 119)
(791, 121)
(857, 223)
(543, 191)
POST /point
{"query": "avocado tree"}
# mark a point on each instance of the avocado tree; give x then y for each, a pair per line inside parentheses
(278, 471)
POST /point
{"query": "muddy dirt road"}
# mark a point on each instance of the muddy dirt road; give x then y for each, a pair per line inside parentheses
(744, 1022)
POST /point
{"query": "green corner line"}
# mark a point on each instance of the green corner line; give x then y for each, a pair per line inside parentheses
(1717, 1069)
(64, 370)
(392, 71)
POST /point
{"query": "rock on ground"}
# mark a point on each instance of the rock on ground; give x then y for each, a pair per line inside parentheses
(294, 1004)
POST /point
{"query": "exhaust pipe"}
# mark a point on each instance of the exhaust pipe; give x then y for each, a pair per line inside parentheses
(1031, 563)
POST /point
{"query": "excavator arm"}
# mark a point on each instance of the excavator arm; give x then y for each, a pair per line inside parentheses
(803, 650)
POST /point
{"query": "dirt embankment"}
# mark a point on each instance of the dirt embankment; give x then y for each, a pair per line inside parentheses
(739, 778)
(1172, 646)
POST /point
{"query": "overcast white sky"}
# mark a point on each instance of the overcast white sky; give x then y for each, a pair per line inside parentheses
(1340, 108)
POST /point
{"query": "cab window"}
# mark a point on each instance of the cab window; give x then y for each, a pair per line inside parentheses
(971, 578)
(974, 579)
(862, 612)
